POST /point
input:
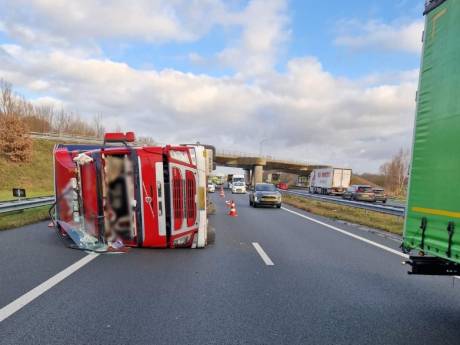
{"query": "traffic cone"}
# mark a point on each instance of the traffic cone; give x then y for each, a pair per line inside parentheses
(222, 194)
(233, 212)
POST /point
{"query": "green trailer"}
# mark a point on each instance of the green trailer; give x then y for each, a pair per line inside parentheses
(432, 224)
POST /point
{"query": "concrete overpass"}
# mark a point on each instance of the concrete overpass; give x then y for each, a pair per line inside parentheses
(254, 166)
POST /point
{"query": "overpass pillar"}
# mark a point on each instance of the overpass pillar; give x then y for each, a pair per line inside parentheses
(247, 176)
(257, 173)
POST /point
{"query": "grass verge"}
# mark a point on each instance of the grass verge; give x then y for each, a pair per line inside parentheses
(36, 175)
(29, 216)
(368, 218)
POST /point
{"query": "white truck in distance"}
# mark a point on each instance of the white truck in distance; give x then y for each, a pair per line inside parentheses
(238, 184)
(329, 181)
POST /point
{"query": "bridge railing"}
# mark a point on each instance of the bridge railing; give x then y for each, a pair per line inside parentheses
(237, 154)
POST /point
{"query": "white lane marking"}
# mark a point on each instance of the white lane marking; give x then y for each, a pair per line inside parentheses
(375, 244)
(262, 254)
(28, 297)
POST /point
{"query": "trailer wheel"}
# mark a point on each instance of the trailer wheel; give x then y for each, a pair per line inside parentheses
(211, 236)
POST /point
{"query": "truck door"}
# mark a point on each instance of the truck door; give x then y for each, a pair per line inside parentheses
(152, 197)
(91, 195)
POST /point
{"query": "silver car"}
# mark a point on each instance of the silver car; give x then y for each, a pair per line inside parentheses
(265, 194)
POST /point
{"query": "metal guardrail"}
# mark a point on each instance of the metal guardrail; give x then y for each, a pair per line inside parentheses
(65, 137)
(18, 205)
(393, 210)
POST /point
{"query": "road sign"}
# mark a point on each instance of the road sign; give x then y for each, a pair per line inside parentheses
(19, 192)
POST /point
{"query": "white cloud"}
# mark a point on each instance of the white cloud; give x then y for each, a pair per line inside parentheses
(309, 113)
(150, 20)
(265, 30)
(405, 37)
(80, 26)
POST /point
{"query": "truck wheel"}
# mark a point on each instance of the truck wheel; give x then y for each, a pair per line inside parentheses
(278, 206)
(211, 238)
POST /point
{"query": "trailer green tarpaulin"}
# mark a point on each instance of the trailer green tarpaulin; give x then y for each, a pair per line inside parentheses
(433, 211)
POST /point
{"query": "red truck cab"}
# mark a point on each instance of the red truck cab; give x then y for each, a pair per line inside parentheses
(140, 196)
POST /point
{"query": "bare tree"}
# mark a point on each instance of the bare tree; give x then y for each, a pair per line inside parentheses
(146, 141)
(395, 172)
(7, 103)
(45, 118)
(98, 127)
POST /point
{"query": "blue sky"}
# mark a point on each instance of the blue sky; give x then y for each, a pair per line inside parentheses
(331, 82)
(313, 26)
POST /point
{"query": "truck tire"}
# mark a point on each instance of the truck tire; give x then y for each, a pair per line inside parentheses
(211, 236)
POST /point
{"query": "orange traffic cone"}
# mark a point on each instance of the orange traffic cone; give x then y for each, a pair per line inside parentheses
(233, 212)
(222, 194)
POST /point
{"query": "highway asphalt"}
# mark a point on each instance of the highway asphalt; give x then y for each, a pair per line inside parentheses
(325, 287)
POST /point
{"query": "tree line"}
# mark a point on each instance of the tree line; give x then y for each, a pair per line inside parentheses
(19, 116)
(395, 173)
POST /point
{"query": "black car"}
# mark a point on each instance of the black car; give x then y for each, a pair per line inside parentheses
(264, 194)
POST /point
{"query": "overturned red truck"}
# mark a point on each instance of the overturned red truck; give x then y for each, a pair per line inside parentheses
(118, 194)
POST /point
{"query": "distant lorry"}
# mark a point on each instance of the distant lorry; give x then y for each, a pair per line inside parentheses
(238, 184)
(432, 222)
(238, 178)
(329, 181)
(119, 194)
(218, 179)
(232, 178)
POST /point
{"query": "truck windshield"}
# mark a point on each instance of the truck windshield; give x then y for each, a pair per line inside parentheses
(265, 188)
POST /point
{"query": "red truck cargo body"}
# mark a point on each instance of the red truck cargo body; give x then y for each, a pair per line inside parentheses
(145, 196)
